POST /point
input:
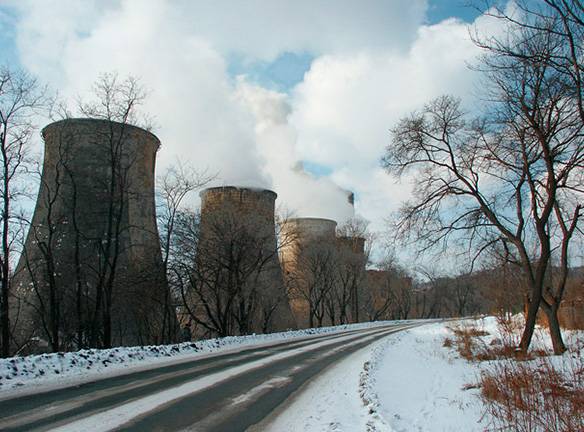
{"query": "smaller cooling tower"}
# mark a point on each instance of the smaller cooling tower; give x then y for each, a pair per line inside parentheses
(238, 224)
(355, 245)
(304, 242)
(298, 233)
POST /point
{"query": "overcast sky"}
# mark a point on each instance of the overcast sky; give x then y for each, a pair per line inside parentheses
(296, 96)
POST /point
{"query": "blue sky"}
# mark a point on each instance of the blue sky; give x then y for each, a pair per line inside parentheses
(7, 42)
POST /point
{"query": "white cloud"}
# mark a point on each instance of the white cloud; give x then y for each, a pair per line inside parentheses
(347, 104)
(374, 63)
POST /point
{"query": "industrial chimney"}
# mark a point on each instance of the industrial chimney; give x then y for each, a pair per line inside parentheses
(92, 251)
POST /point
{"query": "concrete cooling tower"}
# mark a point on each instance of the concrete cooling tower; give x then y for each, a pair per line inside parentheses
(93, 251)
(238, 231)
(299, 233)
(304, 242)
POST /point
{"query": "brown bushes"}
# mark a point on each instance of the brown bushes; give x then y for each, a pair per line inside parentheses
(471, 347)
(524, 393)
(526, 397)
(465, 340)
(538, 393)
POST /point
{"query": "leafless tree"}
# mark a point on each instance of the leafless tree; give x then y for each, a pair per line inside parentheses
(315, 278)
(230, 287)
(21, 99)
(118, 102)
(561, 21)
(462, 292)
(174, 188)
(513, 177)
(389, 291)
(48, 301)
(354, 242)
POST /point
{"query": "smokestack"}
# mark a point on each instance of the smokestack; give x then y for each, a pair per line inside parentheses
(251, 211)
(351, 198)
(95, 220)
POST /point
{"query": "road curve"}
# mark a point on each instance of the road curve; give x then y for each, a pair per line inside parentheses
(222, 392)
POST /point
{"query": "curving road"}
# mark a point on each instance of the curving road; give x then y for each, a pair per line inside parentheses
(223, 392)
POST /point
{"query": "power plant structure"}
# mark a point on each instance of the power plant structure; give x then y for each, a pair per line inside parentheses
(323, 271)
(241, 287)
(308, 245)
(91, 270)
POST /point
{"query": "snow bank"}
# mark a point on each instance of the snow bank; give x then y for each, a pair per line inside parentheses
(414, 383)
(330, 402)
(61, 369)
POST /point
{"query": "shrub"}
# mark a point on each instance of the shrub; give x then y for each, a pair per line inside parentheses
(535, 396)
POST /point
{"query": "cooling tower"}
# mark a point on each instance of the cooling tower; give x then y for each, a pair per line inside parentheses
(305, 242)
(93, 242)
(238, 236)
(298, 233)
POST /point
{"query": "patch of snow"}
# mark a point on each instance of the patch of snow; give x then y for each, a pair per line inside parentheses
(331, 401)
(415, 384)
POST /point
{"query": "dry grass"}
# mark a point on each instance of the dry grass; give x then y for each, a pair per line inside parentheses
(465, 340)
(524, 397)
(470, 345)
(531, 395)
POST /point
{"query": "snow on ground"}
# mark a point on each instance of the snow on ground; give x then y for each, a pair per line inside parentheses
(417, 385)
(406, 382)
(329, 403)
(21, 375)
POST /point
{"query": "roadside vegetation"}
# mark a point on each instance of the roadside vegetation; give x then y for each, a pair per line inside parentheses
(529, 392)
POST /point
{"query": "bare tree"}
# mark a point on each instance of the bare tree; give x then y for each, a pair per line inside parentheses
(500, 179)
(230, 287)
(48, 299)
(355, 243)
(118, 102)
(174, 188)
(389, 292)
(561, 21)
(90, 260)
(21, 98)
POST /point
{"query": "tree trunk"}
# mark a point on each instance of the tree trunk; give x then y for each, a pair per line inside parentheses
(551, 313)
(530, 320)
(5, 321)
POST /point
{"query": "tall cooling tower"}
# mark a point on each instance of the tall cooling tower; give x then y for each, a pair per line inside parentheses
(94, 237)
(237, 226)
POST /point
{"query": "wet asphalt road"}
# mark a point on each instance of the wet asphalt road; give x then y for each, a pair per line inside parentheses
(234, 391)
